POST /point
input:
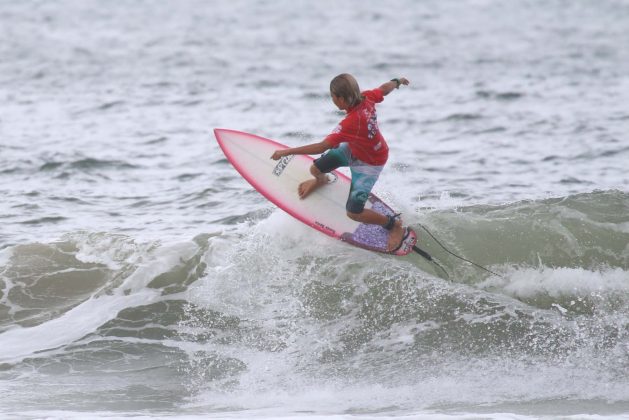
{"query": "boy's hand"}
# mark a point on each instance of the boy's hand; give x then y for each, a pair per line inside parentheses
(278, 154)
(390, 86)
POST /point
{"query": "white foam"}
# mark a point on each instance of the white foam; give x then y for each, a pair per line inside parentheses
(560, 282)
(109, 249)
(5, 256)
(288, 233)
(467, 383)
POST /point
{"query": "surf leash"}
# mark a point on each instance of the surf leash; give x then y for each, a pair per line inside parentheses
(429, 258)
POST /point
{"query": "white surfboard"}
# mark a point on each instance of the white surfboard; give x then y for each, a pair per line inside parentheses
(324, 209)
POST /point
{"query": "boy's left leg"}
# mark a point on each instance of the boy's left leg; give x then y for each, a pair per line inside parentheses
(363, 179)
(396, 229)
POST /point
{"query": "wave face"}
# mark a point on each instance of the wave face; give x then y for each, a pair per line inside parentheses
(257, 319)
(587, 231)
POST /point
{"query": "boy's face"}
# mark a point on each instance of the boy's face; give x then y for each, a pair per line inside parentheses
(339, 102)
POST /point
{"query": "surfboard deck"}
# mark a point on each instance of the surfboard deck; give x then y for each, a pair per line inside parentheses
(324, 209)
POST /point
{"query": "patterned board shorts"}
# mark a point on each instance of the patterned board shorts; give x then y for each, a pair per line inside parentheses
(364, 176)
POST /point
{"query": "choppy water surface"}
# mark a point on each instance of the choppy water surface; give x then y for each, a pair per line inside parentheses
(140, 275)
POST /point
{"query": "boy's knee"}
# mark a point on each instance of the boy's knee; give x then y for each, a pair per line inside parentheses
(354, 216)
(356, 203)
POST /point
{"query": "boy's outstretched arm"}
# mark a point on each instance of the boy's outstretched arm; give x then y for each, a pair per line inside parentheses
(388, 87)
(309, 149)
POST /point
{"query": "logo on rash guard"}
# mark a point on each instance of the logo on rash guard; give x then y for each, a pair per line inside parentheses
(282, 164)
(372, 126)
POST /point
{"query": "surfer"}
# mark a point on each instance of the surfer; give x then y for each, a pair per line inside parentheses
(356, 142)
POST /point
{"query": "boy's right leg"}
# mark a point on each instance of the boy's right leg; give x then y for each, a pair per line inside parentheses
(330, 161)
(306, 187)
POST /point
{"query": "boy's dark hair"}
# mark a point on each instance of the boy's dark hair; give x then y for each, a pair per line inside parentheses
(345, 86)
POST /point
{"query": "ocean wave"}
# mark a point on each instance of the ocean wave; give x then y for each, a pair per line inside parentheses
(548, 252)
(86, 164)
(271, 306)
(588, 231)
(47, 289)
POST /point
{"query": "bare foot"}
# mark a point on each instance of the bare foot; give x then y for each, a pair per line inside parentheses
(396, 236)
(306, 187)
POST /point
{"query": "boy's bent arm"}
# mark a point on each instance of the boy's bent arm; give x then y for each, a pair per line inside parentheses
(309, 149)
(388, 87)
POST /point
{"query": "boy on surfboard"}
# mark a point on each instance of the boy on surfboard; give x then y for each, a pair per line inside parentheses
(356, 142)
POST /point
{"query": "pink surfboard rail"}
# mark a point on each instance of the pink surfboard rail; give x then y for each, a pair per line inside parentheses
(324, 209)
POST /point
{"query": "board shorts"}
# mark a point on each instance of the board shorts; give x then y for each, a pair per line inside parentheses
(364, 176)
